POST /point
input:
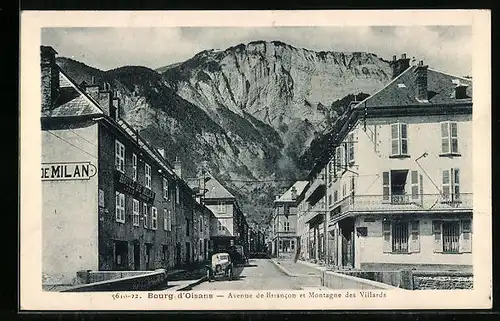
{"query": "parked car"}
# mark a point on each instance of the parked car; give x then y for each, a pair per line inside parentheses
(238, 255)
(221, 266)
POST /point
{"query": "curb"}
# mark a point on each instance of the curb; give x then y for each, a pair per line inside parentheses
(190, 285)
(312, 265)
(283, 269)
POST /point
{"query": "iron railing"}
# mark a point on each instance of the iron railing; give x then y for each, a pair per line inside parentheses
(402, 203)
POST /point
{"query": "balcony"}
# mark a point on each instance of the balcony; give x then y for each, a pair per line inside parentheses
(401, 204)
(315, 212)
(317, 188)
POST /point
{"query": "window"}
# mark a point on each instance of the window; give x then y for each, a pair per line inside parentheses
(286, 226)
(335, 196)
(449, 138)
(119, 156)
(145, 213)
(177, 194)
(399, 139)
(292, 245)
(350, 148)
(451, 237)
(338, 159)
(135, 212)
(400, 237)
(147, 171)
(134, 167)
(120, 207)
(353, 185)
(386, 186)
(330, 199)
(165, 189)
(220, 227)
(221, 208)
(451, 185)
(201, 223)
(167, 220)
(154, 218)
(187, 227)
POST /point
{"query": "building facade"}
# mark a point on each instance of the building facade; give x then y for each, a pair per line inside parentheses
(284, 240)
(227, 226)
(399, 184)
(110, 200)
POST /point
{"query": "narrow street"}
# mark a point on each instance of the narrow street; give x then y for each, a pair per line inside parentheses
(262, 274)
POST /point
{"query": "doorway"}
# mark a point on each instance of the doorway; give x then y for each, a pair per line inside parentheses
(120, 255)
(347, 236)
(137, 256)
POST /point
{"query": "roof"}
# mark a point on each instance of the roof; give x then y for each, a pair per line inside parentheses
(72, 101)
(215, 189)
(402, 90)
(287, 196)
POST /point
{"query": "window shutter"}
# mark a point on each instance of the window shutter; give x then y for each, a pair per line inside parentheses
(394, 139)
(465, 236)
(455, 175)
(414, 185)
(386, 186)
(454, 137)
(445, 138)
(446, 184)
(414, 236)
(437, 232)
(117, 206)
(403, 133)
(386, 234)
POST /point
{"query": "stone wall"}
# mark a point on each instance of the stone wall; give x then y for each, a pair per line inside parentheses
(442, 281)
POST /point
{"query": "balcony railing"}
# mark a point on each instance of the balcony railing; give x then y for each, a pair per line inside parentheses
(402, 203)
(318, 209)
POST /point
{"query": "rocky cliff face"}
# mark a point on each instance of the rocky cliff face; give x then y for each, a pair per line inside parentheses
(250, 111)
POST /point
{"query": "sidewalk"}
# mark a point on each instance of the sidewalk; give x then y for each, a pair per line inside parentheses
(299, 268)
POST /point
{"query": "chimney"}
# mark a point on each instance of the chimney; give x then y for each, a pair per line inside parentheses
(294, 193)
(105, 99)
(116, 111)
(421, 81)
(460, 90)
(399, 65)
(93, 89)
(50, 77)
(178, 167)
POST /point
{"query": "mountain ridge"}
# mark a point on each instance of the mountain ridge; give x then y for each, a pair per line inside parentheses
(250, 111)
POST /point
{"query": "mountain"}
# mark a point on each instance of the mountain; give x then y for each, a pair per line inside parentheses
(250, 112)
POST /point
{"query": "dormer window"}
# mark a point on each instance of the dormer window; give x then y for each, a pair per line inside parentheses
(461, 91)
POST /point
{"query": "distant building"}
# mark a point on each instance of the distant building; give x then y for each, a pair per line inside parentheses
(284, 222)
(110, 201)
(399, 178)
(228, 226)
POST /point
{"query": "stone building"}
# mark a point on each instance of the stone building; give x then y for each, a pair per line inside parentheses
(110, 200)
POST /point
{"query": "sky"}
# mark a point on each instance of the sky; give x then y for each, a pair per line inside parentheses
(446, 48)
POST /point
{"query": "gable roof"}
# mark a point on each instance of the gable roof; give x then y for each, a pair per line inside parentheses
(215, 189)
(402, 90)
(287, 196)
(72, 100)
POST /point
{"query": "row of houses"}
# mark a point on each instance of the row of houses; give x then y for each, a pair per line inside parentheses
(111, 201)
(394, 187)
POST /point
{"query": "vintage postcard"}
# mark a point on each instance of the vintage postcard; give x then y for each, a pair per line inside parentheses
(255, 160)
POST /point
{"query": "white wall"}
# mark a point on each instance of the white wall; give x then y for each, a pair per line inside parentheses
(369, 249)
(70, 208)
